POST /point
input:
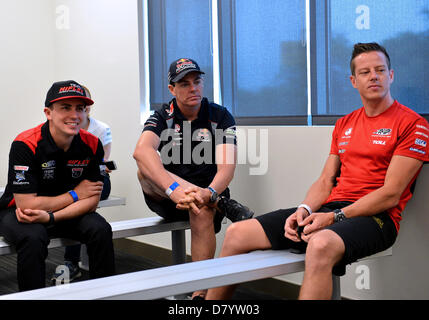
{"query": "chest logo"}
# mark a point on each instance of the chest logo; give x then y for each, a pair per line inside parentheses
(76, 172)
(48, 165)
(383, 132)
(77, 163)
(203, 135)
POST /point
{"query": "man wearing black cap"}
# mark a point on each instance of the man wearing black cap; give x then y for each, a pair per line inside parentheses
(196, 161)
(54, 186)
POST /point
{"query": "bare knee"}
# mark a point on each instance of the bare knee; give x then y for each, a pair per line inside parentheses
(244, 236)
(324, 249)
(233, 241)
(203, 221)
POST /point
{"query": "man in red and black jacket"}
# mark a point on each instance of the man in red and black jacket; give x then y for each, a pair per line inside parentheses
(54, 185)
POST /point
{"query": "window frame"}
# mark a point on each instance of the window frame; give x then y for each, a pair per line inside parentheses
(318, 40)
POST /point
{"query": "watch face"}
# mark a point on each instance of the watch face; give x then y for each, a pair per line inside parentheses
(339, 215)
(213, 197)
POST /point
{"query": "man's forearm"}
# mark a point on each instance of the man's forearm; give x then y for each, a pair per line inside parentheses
(223, 177)
(77, 208)
(373, 203)
(43, 203)
(226, 159)
(317, 194)
(150, 166)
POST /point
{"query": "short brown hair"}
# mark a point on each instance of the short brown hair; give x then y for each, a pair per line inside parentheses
(360, 48)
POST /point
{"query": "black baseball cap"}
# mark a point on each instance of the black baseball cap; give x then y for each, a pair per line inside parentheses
(66, 90)
(181, 67)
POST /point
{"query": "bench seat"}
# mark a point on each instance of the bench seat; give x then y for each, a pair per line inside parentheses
(177, 279)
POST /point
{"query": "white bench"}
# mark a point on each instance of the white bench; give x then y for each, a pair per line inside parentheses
(177, 279)
(203, 274)
(174, 280)
(127, 228)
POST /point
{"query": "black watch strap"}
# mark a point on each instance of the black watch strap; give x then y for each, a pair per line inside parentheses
(51, 221)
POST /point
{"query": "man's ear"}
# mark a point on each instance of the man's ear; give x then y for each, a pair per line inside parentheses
(353, 81)
(172, 89)
(47, 112)
(391, 75)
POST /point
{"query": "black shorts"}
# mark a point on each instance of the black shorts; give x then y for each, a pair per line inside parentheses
(362, 236)
(167, 209)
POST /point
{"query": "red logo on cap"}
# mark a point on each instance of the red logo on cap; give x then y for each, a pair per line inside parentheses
(71, 89)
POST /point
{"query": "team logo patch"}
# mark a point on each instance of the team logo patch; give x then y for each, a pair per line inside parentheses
(48, 174)
(422, 134)
(76, 172)
(80, 163)
(19, 176)
(203, 135)
(383, 132)
(422, 127)
(20, 168)
(48, 164)
(183, 64)
(417, 150)
(420, 142)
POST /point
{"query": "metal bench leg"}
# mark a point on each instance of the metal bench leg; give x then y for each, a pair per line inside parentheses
(84, 260)
(178, 245)
(336, 288)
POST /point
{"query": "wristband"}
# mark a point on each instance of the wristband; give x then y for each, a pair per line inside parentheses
(214, 195)
(171, 188)
(303, 205)
(74, 195)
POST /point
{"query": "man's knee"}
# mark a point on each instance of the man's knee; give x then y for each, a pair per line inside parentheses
(325, 249)
(97, 228)
(203, 220)
(103, 232)
(235, 238)
(24, 235)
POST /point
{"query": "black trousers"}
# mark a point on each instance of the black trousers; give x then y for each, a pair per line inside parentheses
(72, 253)
(31, 242)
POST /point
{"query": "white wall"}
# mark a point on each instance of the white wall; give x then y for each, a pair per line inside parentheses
(26, 68)
(100, 49)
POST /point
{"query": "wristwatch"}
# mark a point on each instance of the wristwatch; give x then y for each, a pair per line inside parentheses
(339, 215)
(214, 195)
